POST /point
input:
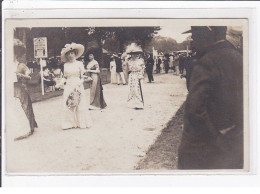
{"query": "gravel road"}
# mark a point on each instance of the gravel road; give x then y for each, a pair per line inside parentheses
(118, 141)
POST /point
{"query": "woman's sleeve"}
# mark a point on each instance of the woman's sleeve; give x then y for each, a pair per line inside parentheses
(21, 68)
(23, 71)
(65, 72)
(97, 66)
(82, 69)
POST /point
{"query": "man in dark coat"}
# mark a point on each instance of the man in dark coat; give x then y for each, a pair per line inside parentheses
(149, 68)
(190, 63)
(166, 62)
(181, 63)
(213, 117)
(119, 70)
(158, 65)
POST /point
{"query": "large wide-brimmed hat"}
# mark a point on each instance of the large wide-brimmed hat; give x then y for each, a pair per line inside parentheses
(69, 47)
(124, 55)
(133, 48)
(97, 52)
(18, 42)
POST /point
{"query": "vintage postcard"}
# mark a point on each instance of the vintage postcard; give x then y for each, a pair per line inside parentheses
(145, 96)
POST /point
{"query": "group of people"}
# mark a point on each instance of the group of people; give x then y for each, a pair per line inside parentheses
(76, 110)
(52, 71)
(120, 71)
(51, 77)
(213, 114)
(172, 62)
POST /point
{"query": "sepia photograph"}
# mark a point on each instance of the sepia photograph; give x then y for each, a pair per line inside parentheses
(126, 96)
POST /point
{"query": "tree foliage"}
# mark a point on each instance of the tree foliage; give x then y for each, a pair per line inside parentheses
(166, 44)
(141, 35)
(113, 39)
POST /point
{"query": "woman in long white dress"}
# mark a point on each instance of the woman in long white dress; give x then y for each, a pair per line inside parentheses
(136, 67)
(113, 70)
(76, 112)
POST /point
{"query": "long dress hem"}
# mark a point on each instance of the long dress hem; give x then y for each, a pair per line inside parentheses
(135, 97)
(96, 88)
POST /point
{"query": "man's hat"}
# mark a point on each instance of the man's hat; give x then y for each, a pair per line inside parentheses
(210, 28)
(193, 28)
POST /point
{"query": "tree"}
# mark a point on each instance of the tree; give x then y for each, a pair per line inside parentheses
(141, 35)
(100, 34)
(186, 43)
(162, 44)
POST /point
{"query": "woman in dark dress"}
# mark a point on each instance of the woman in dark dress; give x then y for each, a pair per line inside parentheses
(22, 93)
(97, 100)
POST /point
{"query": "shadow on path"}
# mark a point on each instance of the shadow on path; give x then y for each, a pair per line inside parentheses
(163, 154)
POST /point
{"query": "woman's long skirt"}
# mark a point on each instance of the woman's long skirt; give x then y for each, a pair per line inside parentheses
(26, 103)
(125, 70)
(135, 97)
(77, 117)
(113, 76)
(96, 93)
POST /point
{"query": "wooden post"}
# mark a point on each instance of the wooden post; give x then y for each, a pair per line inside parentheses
(42, 84)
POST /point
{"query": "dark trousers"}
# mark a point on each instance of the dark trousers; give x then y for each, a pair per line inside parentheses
(158, 68)
(181, 67)
(166, 69)
(150, 76)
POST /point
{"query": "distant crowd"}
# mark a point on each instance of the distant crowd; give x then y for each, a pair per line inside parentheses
(178, 63)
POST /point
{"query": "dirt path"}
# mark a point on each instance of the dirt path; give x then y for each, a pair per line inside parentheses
(119, 138)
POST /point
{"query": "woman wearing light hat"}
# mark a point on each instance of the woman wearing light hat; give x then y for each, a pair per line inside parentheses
(136, 67)
(76, 113)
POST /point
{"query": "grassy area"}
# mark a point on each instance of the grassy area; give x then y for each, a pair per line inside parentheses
(35, 88)
(163, 154)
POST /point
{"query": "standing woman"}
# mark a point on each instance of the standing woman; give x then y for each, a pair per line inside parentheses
(113, 70)
(166, 63)
(136, 67)
(97, 100)
(124, 58)
(21, 91)
(76, 113)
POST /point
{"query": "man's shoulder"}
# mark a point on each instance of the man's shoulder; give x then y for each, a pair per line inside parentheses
(224, 49)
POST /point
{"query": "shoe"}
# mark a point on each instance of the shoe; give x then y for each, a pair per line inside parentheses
(93, 108)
